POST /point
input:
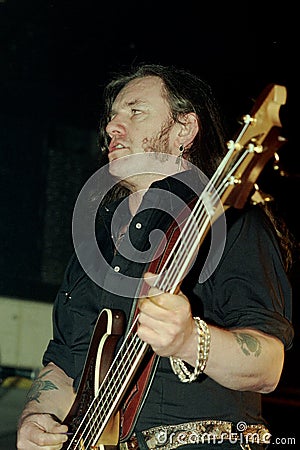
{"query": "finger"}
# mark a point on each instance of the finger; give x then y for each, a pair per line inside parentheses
(53, 440)
(33, 433)
(58, 428)
(153, 303)
(164, 307)
(150, 278)
(47, 423)
(154, 291)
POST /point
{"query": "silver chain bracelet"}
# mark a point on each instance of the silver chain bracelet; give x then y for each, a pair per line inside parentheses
(178, 365)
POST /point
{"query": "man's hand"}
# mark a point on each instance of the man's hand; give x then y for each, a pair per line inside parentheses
(48, 403)
(166, 323)
(41, 431)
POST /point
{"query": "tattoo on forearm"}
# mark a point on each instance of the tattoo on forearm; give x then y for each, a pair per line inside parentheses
(38, 386)
(249, 344)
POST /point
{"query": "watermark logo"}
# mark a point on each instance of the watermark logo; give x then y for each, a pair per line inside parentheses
(147, 167)
(213, 434)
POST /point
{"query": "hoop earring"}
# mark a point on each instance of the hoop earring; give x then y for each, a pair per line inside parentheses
(179, 157)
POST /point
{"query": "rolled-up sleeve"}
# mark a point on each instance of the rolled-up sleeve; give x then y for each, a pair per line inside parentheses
(250, 288)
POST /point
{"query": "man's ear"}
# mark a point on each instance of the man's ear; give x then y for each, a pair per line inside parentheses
(189, 128)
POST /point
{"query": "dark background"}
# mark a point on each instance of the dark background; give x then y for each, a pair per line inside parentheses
(55, 57)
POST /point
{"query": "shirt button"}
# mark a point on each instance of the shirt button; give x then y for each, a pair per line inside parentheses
(117, 268)
(138, 225)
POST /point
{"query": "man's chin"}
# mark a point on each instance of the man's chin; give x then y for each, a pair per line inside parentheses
(117, 168)
(143, 168)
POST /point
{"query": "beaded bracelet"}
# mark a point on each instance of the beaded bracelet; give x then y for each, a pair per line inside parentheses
(177, 364)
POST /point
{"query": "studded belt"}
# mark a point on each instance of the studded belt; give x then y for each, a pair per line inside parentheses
(169, 437)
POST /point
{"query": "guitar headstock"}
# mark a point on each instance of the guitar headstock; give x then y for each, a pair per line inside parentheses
(257, 141)
(264, 115)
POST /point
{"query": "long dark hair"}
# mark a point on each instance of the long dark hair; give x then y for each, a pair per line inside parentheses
(185, 93)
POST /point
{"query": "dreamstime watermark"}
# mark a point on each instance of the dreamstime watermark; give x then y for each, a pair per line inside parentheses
(283, 440)
(244, 434)
(155, 166)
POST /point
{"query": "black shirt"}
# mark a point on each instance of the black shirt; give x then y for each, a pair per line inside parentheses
(246, 287)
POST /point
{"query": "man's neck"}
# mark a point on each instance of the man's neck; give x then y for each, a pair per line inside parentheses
(135, 199)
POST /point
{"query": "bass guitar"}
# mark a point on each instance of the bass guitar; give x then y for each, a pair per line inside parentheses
(109, 377)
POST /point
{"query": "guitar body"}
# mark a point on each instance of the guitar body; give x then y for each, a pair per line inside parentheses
(107, 332)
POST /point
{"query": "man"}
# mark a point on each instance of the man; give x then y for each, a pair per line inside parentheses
(220, 338)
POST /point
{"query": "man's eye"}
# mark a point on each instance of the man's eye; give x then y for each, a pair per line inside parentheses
(136, 111)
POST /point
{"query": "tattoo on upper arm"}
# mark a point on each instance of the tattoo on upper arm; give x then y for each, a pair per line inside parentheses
(249, 344)
(38, 386)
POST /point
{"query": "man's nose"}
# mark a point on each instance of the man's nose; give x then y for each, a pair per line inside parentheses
(115, 127)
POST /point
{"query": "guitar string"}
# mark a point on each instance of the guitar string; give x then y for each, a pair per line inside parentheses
(220, 190)
(199, 210)
(191, 224)
(128, 353)
(99, 414)
(199, 215)
(210, 184)
(79, 430)
(183, 254)
(88, 414)
(193, 240)
(165, 283)
(91, 416)
(118, 382)
(232, 146)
